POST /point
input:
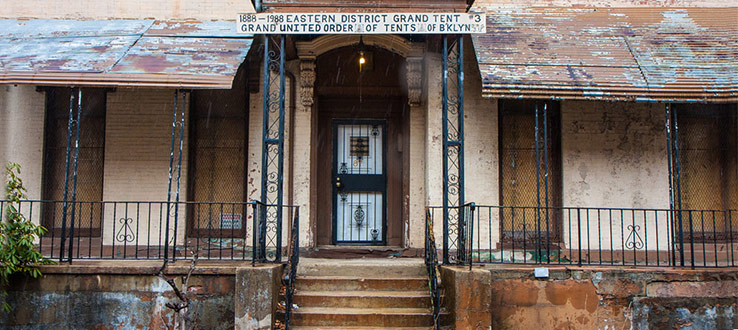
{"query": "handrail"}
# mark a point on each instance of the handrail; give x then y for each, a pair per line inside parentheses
(431, 264)
(291, 270)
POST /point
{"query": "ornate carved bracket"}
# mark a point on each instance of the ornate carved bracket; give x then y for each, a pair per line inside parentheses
(414, 80)
(307, 81)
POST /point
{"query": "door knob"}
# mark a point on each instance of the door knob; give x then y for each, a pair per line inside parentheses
(338, 183)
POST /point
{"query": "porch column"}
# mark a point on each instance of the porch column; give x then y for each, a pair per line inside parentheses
(301, 151)
(75, 101)
(453, 148)
(269, 230)
(413, 229)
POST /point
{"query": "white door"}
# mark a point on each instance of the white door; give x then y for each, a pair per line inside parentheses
(360, 182)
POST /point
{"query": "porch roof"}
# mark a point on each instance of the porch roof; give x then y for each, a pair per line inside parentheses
(143, 53)
(637, 54)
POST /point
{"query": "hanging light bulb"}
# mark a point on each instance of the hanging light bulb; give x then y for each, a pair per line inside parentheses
(362, 58)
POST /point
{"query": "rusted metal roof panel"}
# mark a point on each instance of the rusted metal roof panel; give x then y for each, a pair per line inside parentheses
(222, 29)
(46, 28)
(649, 54)
(184, 54)
(65, 54)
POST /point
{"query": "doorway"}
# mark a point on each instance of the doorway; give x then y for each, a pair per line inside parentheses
(360, 150)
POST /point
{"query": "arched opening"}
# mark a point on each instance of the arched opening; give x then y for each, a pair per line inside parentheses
(361, 149)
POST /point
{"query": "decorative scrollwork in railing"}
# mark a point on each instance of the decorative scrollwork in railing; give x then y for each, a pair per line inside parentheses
(634, 241)
(125, 233)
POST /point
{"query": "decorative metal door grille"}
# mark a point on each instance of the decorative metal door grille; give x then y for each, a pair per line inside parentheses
(360, 182)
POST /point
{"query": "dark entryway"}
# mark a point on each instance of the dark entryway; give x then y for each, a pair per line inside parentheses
(361, 158)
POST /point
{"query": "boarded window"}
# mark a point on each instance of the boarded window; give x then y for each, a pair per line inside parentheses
(218, 158)
(522, 188)
(88, 213)
(707, 157)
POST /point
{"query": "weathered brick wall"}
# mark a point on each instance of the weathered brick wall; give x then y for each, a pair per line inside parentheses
(21, 137)
(159, 9)
(22, 111)
(481, 145)
(614, 155)
(138, 136)
(107, 299)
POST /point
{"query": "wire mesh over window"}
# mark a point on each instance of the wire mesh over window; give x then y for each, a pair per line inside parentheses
(90, 162)
(522, 187)
(708, 157)
(217, 160)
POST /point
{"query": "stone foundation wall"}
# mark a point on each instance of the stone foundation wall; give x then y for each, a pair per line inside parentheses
(127, 295)
(592, 298)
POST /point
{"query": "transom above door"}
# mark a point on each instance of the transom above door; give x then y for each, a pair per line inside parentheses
(360, 182)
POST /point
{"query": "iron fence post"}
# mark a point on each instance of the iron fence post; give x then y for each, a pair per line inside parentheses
(444, 128)
(74, 173)
(66, 175)
(677, 162)
(538, 189)
(272, 157)
(171, 171)
(669, 149)
(579, 237)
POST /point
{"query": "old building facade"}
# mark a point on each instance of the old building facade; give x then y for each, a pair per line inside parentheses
(584, 132)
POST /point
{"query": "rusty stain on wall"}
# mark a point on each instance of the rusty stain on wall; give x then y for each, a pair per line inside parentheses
(607, 298)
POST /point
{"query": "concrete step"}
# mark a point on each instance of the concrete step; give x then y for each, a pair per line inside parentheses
(372, 317)
(363, 299)
(359, 328)
(388, 268)
(355, 283)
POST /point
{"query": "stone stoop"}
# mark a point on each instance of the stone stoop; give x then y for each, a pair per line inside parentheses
(362, 294)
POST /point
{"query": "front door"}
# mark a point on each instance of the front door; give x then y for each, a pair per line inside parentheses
(360, 182)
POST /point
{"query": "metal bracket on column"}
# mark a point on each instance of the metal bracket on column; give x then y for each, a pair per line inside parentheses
(453, 148)
(178, 120)
(272, 157)
(75, 100)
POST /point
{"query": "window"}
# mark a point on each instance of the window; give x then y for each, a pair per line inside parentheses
(708, 157)
(522, 187)
(217, 165)
(90, 161)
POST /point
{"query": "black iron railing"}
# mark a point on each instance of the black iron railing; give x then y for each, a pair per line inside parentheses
(431, 264)
(290, 272)
(457, 234)
(267, 228)
(594, 236)
(137, 229)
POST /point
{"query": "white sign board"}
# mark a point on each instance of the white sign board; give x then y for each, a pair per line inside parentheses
(361, 23)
